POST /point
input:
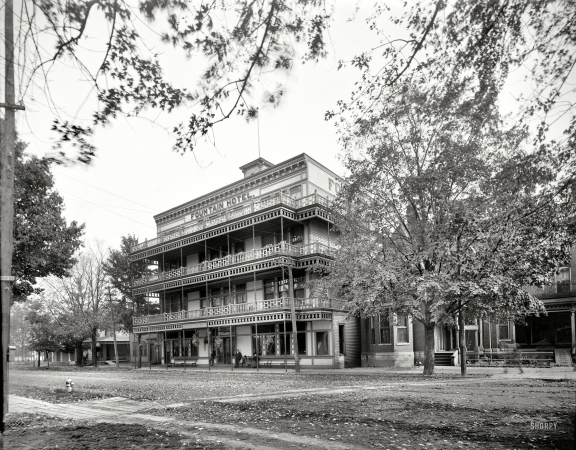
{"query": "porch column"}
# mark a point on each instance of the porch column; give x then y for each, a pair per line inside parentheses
(513, 333)
(480, 335)
(573, 327)
(476, 334)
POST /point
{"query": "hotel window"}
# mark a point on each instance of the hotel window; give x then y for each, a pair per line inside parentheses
(240, 290)
(563, 280)
(341, 339)
(300, 287)
(216, 297)
(296, 192)
(385, 335)
(372, 331)
(226, 296)
(269, 292)
(297, 235)
(267, 239)
(402, 329)
(238, 247)
(330, 183)
(504, 330)
(322, 343)
(302, 337)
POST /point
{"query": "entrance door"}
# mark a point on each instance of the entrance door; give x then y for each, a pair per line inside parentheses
(223, 353)
(154, 353)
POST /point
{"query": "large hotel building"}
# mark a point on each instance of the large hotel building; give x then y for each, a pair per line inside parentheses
(224, 263)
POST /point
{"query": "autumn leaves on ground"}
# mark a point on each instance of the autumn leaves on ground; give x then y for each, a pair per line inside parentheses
(276, 410)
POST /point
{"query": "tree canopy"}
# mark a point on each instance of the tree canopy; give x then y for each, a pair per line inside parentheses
(44, 243)
(122, 273)
(445, 210)
(232, 45)
(78, 303)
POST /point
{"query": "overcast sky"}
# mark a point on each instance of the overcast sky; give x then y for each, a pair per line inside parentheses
(136, 174)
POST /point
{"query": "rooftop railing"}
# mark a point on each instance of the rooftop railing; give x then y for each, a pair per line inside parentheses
(257, 204)
(282, 248)
(242, 308)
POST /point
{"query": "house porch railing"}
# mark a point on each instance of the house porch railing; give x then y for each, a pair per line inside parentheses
(282, 248)
(242, 308)
(257, 204)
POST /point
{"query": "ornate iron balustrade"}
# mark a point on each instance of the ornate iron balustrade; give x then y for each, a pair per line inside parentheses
(282, 248)
(242, 308)
(260, 203)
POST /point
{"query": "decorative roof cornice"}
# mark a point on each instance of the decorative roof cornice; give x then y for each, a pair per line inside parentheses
(259, 179)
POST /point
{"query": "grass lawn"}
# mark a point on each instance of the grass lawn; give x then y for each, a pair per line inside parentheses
(341, 411)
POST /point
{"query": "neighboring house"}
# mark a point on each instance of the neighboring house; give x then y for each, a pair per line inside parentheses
(105, 348)
(390, 340)
(558, 328)
(224, 263)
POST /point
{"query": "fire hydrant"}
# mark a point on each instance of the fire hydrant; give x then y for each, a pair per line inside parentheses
(69, 385)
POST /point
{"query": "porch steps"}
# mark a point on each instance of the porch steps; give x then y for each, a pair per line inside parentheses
(443, 358)
(562, 357)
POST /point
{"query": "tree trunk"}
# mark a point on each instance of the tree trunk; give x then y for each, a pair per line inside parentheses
(462, 340)
(429, 354)
(94, 354)
(38, 358)
(115, 343)
(79, 354)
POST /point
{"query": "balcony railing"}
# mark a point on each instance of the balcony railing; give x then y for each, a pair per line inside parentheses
(553, 290)
(241, 308)
(282, 248)
(258, 204)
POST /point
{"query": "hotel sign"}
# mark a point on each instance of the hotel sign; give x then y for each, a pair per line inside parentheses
(226, 204)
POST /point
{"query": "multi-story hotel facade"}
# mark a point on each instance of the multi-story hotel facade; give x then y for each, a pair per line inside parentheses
(225, 261)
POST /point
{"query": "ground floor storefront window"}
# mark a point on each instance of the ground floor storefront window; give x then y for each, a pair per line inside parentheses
(555, 328)
(180, 344)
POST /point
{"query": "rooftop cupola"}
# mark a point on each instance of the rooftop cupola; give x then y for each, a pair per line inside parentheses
(256, 166)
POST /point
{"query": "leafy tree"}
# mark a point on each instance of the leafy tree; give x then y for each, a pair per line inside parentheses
(20, 328)
(44, 244)
(232, 44)
(45, 335)
(445, 211)
(498, 44)
(78, 302)
(122, 273)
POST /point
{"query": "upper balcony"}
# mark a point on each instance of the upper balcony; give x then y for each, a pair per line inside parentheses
(555, 290)
(255, 205)
(300, 304)
(282, 248)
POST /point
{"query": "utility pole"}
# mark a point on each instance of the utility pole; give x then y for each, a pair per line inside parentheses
(113, 324)
(7, 207)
